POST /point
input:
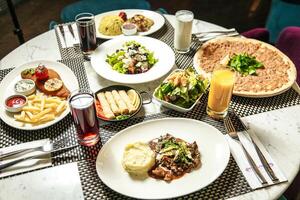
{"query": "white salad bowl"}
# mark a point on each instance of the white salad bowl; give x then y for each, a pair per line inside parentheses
(173, 106)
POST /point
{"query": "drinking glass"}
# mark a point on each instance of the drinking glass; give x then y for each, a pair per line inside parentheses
(221, 87)
(83, 111)
(183, 31)
(87, 32)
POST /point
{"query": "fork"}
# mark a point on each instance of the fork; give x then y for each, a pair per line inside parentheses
(48, 148)
(233, 134)
(199, 34)
(62, 31)
(45, 148)
(206, 38)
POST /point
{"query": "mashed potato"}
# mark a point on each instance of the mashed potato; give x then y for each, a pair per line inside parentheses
(111, 25)
(138, 158)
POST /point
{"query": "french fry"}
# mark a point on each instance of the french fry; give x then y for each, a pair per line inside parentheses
(60, 107)
(29, 114)
(51, 105)
(41, 114)
(42, 102)
(47, 117)
(31, 97)
(26, 119)
(22, 116)
(31, 108)
(58, 101)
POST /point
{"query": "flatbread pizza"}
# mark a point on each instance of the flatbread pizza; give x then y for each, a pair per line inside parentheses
(276, 76)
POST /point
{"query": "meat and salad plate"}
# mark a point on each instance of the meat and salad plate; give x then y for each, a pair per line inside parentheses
(166, 158)
(163, 155)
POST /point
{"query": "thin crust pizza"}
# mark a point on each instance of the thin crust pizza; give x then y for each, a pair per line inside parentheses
(277, 75)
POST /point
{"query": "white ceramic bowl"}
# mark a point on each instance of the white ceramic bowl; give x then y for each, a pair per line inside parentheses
(26, 92)
(173, 106)
(129, 29)
(16, 108)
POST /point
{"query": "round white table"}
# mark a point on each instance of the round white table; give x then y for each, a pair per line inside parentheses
(284, 147)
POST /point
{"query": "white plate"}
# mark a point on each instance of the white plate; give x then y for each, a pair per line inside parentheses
(162, 52)
(158, 19)
(212, 146)
(7, 89)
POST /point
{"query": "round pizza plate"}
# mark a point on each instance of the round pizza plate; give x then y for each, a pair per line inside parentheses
(292, 73)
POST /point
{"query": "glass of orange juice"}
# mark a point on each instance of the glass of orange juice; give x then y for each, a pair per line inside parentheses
(221, 87)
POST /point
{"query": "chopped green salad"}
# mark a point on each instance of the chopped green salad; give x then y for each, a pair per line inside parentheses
(176, 148)
(244, 64)
(182, 88)
(132, 58)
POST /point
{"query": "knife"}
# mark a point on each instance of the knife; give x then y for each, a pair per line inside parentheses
(62, 31)
(261, 156)
(14, 162)
(71, 30)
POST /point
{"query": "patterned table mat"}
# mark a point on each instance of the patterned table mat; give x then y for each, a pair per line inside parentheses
(231, 183)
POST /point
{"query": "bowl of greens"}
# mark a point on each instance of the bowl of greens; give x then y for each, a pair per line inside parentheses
(132, 58)
(181, 90)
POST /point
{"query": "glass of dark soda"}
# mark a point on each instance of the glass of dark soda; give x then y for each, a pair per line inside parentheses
(87, 32)
(82, 106)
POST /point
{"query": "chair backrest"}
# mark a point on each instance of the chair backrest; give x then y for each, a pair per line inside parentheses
(289, 43)
(282, 14)
(99, 6)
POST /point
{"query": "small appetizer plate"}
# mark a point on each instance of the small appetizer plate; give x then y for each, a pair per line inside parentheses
(140, 99)
(173, 106)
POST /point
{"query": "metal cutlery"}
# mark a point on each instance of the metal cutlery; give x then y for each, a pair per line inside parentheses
(14, 162)
(233, 134)
(71, 30)
(62, 31)
(232, 30)
(206, 38)
(261, 156)
(44, 148)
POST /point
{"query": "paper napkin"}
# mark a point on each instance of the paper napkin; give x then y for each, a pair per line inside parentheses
(245, 167)
(27, 165)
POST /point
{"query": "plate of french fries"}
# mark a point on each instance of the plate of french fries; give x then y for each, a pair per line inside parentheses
(41, 110)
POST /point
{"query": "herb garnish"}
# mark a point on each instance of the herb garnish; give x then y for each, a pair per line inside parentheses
(244, 64)
(178, 149)
(122, 117)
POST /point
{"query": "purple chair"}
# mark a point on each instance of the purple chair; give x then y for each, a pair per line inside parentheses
(261, 34)
(288, 42)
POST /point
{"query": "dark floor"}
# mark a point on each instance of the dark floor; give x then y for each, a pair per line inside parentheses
(35, 15)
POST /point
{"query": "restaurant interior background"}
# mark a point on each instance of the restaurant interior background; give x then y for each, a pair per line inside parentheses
(34, 17)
